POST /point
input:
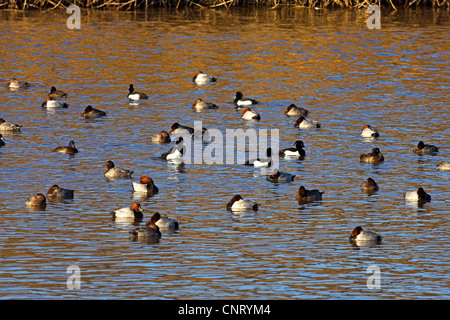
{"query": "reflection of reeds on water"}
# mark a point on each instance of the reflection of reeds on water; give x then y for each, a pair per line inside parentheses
(142, 4)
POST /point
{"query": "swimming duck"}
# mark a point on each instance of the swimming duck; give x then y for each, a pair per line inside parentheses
(202, 78)
(358, 234)
(444, 165)
(56, 192)
(7, 126)
(241, 101)
(237, 203)
(145, 185)
(134, 95)
(176, 152)
(90, 112)
(372, 157)
(52, 103)
(278, 176)
(161, 137)
(2, 141)
(17, 84)
(54, 93)
(70, 149)
(294, 111)
(369, 132)
(133, 212)
(309, 195)
(259, 162)
(417, 195)
(167, 223)
(114, 172)
(150, 232)
(199, 105)
(369, 186)
(180, 130)
(297, 151)
(303, 123)
(249, 114)
(423, 148)
(38, 202)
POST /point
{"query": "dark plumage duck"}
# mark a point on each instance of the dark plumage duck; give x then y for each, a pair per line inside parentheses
(91, 113)
(150, 232)
(56, 192)
(296, 151)
(372, 157)
(55, 93)
(70, 149)
(135, 95)
(369, 186)
(279, 176)
(305, 195)
(423, 148)
(241, 101)
(260, 162)
(176, 152)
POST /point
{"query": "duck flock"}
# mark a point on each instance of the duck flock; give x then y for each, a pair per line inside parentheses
(178, 132)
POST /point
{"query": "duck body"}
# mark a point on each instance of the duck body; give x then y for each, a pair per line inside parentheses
(133, 212)
(240, 101)
(91, 113)
(17, 84)
(358, 234)
(135, 95)
(296, 151)
(176, 152)
(373, 157)
(168, 223)
(38, 202)
(294, 111)
(417, 195)
(70, 149)
(57, 192)
(53, 104)
(425, 149)
(306, 124)
(200, 105)
(309, 195)
(260, 162)
(369, 132)
(237, 203)
(8, 126)
(203, 78)
(114, 172)
(444, 165)
(178, 130)
(161, 137)
(369, 186)
(145, 185)
(150, 232)
(279, 176)
(250, 114)
(55, 93)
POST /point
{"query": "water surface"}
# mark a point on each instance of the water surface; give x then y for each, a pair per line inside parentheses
(329, 62)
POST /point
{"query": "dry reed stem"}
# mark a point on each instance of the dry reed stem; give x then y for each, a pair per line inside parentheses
(144, 4)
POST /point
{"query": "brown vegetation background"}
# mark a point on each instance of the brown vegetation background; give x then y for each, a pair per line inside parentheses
(142, 4)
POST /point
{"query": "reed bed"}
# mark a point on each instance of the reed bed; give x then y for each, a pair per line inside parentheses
(143, 4)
